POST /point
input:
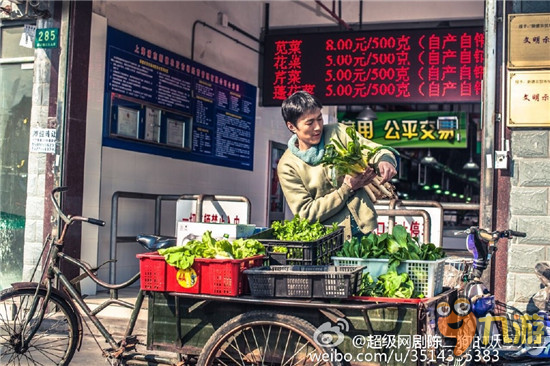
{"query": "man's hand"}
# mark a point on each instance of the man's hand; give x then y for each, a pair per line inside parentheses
(360, 180)
(386, 171)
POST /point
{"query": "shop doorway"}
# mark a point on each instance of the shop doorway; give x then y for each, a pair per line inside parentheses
(276, 201)
(16, 76)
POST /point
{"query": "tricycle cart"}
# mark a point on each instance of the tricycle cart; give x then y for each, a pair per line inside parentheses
(286, 319)
(244, 330)
(41, 324)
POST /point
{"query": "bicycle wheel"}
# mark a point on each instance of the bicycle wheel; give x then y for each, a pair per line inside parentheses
(265, 338)
(56, 337)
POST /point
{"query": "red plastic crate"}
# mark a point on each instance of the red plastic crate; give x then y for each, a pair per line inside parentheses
(207, 276)
(157, 275)
(225, 276)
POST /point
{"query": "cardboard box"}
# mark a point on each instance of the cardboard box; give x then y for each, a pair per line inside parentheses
(194, 230)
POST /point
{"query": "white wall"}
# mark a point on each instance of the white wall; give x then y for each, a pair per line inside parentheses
(169, 25)
(308, 13)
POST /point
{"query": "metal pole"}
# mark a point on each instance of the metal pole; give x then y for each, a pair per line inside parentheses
(488, 101)
(114, 225)
(404, 212)
(158, 209)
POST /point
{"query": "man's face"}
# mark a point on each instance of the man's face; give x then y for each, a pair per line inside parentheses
(308, 129)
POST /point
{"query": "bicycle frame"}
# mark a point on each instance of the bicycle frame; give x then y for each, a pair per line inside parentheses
(52, 271)
(482, 244)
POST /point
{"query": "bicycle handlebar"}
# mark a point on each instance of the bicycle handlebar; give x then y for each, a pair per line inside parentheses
(488, 236)
(70, 219)
(56, 204)
(517, 233)
(96, 222)
(481, 243)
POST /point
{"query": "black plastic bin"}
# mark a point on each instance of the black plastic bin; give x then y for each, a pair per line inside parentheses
(304, 281)
(318, 252)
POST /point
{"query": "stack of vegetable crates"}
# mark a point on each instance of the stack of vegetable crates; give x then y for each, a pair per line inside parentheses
(427, 276)
(305, 270)
(222, 277)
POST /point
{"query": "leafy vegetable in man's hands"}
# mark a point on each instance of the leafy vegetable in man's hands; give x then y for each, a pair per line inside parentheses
(353, 158)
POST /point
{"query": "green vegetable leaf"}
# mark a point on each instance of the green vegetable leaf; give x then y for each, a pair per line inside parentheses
(392, 245)
(392, 284)
(184, 256)
(400, 234)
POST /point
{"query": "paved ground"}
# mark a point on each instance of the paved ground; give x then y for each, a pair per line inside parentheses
(115, 318)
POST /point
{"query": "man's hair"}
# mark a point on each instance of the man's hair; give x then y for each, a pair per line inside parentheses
(299, 104)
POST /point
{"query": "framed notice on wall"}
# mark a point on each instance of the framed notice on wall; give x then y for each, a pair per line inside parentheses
(162, 103)
(128, 120)
(529, 98)
(175, 134)
(152, 124)
(528, 41)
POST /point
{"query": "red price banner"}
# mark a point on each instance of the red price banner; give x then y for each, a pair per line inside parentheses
(400, 66)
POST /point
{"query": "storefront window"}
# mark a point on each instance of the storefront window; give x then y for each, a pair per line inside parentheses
(16, 72)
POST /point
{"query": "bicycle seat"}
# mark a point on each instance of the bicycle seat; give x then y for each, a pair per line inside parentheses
(155, 242)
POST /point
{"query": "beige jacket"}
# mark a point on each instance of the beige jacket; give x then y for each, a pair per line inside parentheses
(311, 195)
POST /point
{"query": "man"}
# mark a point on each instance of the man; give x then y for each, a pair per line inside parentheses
(307, 184)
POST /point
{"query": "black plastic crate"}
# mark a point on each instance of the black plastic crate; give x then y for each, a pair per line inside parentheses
(316, 252)
(304, 281)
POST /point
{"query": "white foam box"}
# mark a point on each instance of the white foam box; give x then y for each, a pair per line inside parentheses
(194, 230)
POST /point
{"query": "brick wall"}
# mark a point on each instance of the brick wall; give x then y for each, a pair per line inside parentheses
(528, 213)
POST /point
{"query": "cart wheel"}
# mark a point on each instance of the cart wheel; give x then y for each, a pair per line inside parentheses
(266, 338)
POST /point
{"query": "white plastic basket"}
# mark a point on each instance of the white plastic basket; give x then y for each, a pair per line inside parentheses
(375, 267)
(427, 276)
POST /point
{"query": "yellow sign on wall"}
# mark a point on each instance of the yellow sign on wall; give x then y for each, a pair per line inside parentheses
(529, 98)
(528, 41)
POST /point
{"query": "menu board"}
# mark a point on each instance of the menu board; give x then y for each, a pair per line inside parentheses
(162, 103)
(443, 65)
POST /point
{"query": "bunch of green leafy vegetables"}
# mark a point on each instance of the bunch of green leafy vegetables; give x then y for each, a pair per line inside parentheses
(183, 256)
(353, 158)
(299, 229)
(390, 284)
(397, 247)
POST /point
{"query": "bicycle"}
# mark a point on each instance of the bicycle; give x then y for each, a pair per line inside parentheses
(502, 332)
(41, 324)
